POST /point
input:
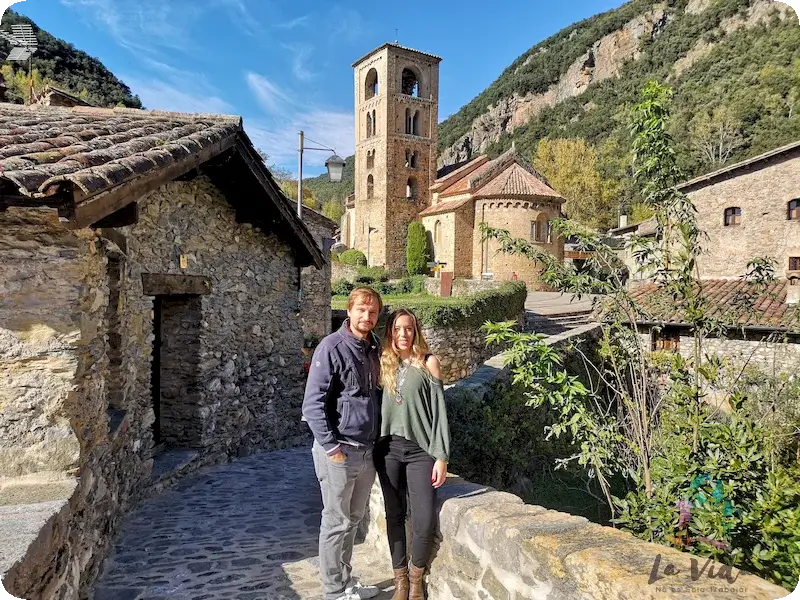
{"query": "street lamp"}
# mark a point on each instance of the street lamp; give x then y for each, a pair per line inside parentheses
(334, 164)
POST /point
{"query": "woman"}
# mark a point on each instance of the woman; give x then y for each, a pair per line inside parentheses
(414, 447)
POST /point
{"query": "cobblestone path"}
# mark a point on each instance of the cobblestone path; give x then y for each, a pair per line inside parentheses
(246, 530)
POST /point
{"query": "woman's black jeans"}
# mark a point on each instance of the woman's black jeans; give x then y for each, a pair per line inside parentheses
(405, 467)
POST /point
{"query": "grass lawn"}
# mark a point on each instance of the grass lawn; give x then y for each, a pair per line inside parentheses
(340, 302)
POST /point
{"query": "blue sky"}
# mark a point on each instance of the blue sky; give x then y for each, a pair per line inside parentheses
(286, 65)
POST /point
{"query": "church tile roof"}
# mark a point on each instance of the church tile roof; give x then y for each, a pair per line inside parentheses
(517, 181)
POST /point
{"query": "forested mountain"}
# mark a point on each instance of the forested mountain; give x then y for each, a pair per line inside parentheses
(734, 66)
(66, 66)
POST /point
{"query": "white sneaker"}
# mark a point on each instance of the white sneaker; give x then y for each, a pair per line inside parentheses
(359, 591)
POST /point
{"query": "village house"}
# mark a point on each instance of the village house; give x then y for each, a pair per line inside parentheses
(397, 182)
(150, 321)
(747, 210)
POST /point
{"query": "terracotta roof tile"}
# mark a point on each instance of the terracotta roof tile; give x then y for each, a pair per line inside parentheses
(96, 149)
(728, 301)
(515, 180)
(443, 207)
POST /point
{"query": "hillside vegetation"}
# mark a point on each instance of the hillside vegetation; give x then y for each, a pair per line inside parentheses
(66, 67)
(734, 67)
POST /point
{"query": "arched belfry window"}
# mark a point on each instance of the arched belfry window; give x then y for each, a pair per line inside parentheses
(733, 216)
(409, 123)
(369, 124)
(374, 123)
(415, 123)
(371, 84)
(414, 162)
(370, 186)
(409, 83)
(411, 188)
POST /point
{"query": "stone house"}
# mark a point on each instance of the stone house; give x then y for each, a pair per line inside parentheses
(763, 325)
(506, 193)
(149, 321)
(749, 209)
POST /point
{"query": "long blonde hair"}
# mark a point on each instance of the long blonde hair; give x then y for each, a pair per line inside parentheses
(390, 359)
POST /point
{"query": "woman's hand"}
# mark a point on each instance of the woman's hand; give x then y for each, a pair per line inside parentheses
(439, 473)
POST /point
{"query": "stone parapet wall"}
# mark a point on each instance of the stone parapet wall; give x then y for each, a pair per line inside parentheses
(461, 351)
(342, 271)
(492, 546)
(461, 286)
(772, 357)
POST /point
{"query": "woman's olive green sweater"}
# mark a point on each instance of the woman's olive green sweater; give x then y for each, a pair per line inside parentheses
(420, 416)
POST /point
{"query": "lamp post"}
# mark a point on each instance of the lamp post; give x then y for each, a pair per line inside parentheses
(334, 164)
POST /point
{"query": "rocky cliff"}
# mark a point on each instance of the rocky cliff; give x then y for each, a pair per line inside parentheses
(604, 59)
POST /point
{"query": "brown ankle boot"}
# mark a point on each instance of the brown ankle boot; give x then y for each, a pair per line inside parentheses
(400, 584)
(416, 589)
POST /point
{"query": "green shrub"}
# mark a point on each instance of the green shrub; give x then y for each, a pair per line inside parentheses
(411, 285)
(417, 251)
(353, 257)
(342, 287)
(501, 304)
(369, 275)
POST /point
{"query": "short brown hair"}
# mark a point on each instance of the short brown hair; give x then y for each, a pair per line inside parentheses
(367, 295)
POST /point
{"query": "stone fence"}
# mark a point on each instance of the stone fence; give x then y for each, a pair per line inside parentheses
(491, 545)
(461, 287)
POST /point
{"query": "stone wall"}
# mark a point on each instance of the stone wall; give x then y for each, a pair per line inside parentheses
(490, 545)
(461, 287)
(342, 271)
(762, 192)
(461, 351)
(772, 357)
(76, 346)
(315, 298)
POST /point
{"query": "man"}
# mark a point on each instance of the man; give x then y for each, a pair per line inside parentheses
(342, 408)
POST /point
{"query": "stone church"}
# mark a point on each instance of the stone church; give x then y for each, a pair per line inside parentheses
(397, 181)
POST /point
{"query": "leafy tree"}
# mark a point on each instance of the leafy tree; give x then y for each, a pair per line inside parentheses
(570, 167)
(333, 210)
(353, 257)
(417, 250)
(716, 136)
(714, 484)
(289, 187)
(19, 85)
(71, 69)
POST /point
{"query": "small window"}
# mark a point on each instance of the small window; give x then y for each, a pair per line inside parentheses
(540, 231)
(409, 122)
(437, 232)
(411, 188)
(415, 123)
(733, 216)
(794, 263)
(370, 186)
(794, 210)
(370, 159)
(667, 340)
(369, 124)
(374, 123)
(415, 159)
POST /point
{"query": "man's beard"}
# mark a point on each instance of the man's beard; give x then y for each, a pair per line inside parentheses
(364, 327)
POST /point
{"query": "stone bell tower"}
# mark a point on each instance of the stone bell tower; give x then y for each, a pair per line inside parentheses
(397, 110)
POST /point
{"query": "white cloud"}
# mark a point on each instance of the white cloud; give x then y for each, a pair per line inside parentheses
(276, 131)
(141, 26)
(293, 23)
(152, 26)
(168, 88)
(269, 96)
(279, 138)
(300, 54)
(348, 25)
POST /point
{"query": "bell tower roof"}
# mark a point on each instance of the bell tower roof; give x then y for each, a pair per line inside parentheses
(397, 47)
